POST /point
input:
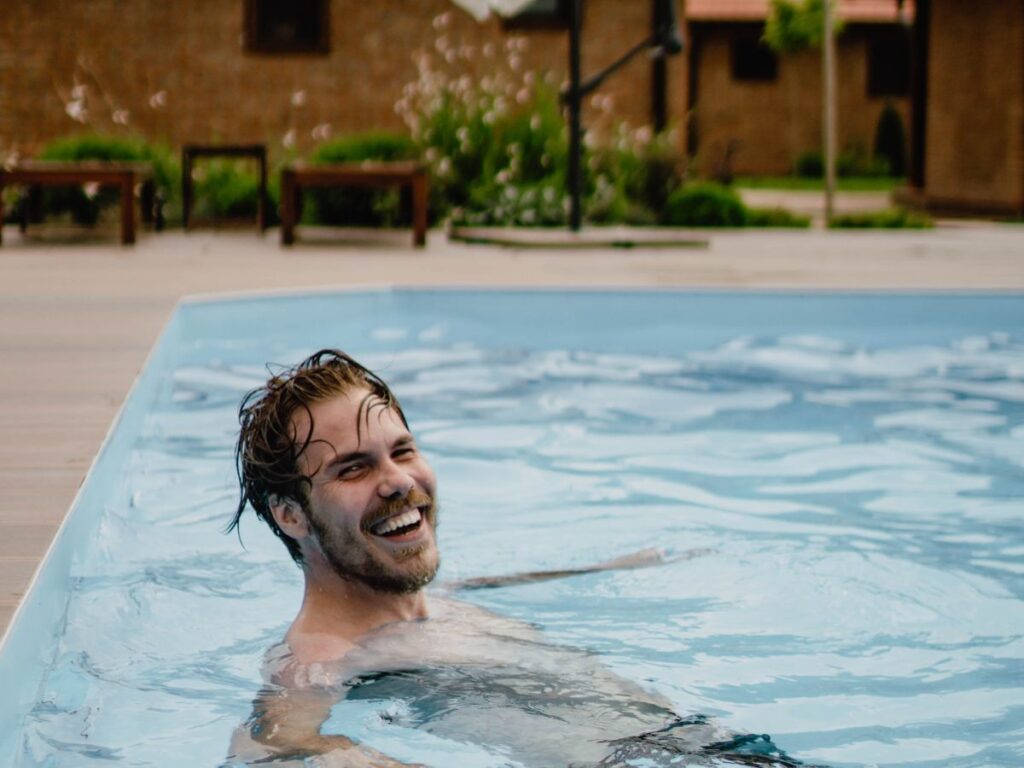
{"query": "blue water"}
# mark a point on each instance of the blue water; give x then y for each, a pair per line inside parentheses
(853, 464)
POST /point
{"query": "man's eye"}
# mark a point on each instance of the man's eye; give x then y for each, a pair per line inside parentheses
(406, 451)
(350, 470)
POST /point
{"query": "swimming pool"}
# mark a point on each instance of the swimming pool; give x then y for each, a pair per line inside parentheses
(853, 462)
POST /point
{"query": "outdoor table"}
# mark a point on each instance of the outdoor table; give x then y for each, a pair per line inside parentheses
(295, 176)
(191, 151)
(114, 174)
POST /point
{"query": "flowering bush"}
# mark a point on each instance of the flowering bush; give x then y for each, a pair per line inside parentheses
(498, 144)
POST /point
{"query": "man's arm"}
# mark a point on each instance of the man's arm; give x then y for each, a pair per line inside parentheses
(641, 559)
(284, 730)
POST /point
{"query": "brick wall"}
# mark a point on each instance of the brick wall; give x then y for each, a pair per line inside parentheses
(975, 115)
(127, 54)
(770, 123)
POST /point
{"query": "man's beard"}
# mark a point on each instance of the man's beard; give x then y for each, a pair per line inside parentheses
(350, 555)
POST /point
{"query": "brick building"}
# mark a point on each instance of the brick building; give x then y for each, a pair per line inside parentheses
(230, 70)
(968, 133)
(755, 112)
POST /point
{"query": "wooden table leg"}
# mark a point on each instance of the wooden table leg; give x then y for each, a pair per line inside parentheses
(289, 203)
(419, 209)
(128, 209)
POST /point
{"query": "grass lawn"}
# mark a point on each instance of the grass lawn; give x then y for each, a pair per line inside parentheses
(851, 184)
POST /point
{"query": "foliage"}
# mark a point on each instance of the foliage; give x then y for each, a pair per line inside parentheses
(796, 25)
(705, 204)
(891, 140)
(86, 204)
(853, 162)
(890, 218)
(850, 184)
(776, 217)
(360, 207)
(225, 189)
(498, 148)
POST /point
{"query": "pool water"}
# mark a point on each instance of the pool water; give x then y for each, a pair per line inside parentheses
(851, 464)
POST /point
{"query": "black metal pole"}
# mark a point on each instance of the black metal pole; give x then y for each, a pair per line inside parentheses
(575, 127)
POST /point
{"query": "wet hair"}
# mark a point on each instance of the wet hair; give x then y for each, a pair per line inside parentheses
(268, 450)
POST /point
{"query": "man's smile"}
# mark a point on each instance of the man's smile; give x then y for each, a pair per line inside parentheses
(402, 526)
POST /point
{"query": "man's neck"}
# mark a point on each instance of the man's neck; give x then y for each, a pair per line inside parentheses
(337, 612)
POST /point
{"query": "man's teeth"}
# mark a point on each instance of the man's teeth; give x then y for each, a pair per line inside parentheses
(383, 528)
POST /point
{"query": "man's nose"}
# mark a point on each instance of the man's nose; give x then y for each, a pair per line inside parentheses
(395, 482)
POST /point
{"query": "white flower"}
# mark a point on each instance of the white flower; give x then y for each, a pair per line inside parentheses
(120, 116)
(79, 92)
(502, 177)
(450, 56)
(76, 111)
(535, 122)
(515, 61)
(523, 96)
(488, 50)
(322, 132)
(441, 44)
(91, 189)
(431, 154)
(298, 98)
(444, 168)
(643, 135)
(462, 134)
(529, 77)
(441, 21)
(158, 100)
(288, 140)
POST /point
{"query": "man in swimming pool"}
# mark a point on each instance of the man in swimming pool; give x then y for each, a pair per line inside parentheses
(325, 457)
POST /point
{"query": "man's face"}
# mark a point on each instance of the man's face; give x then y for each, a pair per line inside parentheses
(371, 506)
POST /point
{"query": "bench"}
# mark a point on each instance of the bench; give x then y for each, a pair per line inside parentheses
(297, 176)
(192, 151)
(122, 175)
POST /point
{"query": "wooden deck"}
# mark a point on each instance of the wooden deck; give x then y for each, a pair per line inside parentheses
(78, 318)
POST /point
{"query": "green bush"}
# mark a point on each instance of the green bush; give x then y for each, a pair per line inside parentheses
(809, 165)
(776, 217)
(891, 141)
(850, 163)
(705, 204)
(225, 189)
(890, 218)
(86, 208)
(632, 184)
(360, 207)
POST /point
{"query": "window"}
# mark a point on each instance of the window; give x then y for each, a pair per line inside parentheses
(889, 62)
(752, 60)
(541, 14)
(287, 26)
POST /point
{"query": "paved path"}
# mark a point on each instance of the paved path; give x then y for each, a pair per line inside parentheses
(77, 318)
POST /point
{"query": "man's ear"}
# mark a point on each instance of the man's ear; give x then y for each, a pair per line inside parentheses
(289, 516)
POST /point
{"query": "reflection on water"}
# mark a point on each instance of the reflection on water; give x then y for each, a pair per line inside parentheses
(862, 605)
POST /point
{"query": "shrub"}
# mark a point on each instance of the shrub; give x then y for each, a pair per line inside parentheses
(85, 207)
(851, 162)
(225, 189)
(891, 141)
(354, 207)
(705, 204)
(776, 217)
(890, 218)
(631, 181)
(809, 165)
